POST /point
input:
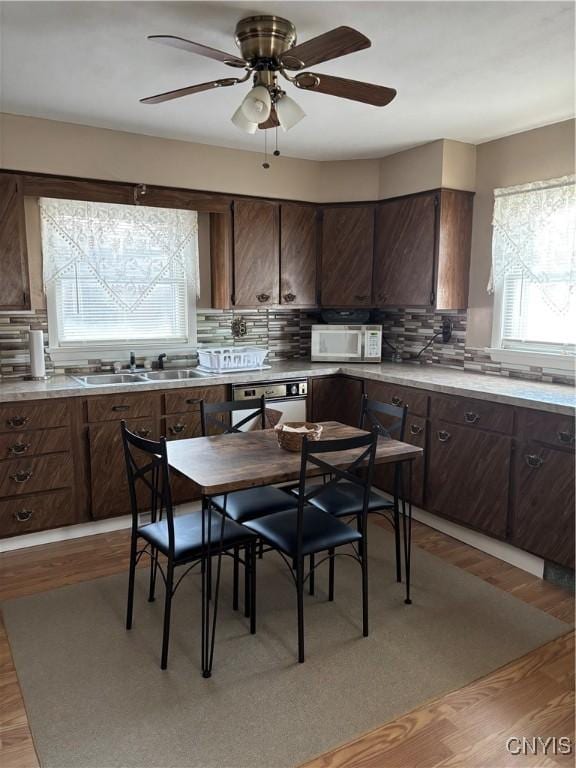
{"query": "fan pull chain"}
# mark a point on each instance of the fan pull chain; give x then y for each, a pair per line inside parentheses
(276, 151)
(266, 164)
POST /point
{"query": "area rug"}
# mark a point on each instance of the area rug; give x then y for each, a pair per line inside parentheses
(96, 697)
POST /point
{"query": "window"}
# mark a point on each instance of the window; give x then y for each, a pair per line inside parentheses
(534, 268)
(118, 276)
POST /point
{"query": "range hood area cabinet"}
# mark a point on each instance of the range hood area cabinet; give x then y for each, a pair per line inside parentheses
(14, 286)
(422, 250)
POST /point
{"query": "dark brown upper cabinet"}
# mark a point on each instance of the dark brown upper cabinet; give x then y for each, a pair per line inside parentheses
(422, 250)
(298, 255)
(256, 239)
(347, 252)
(14, 286)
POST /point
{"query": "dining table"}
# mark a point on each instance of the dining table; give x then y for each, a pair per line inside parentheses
(223, 463)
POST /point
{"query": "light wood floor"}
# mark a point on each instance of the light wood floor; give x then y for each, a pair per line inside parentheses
(468, 728)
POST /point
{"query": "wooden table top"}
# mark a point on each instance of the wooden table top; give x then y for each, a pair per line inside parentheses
(225, 463)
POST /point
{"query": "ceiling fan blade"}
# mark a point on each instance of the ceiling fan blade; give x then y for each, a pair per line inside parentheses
(202, 50)
(169, 95)
(330, 45)
(272, 121)
(355, 90)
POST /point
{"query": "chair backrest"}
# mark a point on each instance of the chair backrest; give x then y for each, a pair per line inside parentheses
(385, 419)
(363, 452)
(149, 477)
(256, 418)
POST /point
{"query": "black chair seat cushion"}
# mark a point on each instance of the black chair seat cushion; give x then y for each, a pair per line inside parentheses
(254, 502)
(346, 499)
(188, 535)
(319, 531)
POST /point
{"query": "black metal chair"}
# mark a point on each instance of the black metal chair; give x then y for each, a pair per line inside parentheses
(346, 499)
(177, 538)
(307, 530)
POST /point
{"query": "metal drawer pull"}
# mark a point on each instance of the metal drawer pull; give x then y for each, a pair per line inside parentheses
(262, 297)
(289, 297)
(16, 421)
(142, 432)
(23, 515)
(194, 401)
(534, 461)
(360, 298)
(396, 400)
(120, 407)
(415, 429)
(471, 418)
(444, 436)
(566, 438)
(18, 448)
(175, 429)
(21, 476)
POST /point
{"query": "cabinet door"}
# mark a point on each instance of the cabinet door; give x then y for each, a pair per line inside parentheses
(108, 483)
(337, 398)
(404, 252)
(347, 253)
(256, 270)
(416, 429)
(14, 291)
(468, 476)
(543, 502)
(298, 254)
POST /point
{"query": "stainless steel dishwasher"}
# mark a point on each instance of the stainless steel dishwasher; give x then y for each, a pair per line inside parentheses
(287, 397)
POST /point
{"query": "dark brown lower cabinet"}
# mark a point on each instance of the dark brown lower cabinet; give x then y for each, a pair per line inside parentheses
(469, 476)
(543, 502)
(416, 429)
(181, 426)
(108, 485)
(336, 398)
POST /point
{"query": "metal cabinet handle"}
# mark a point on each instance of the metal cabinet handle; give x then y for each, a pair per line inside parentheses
(21, 476)
(176, 429)
(120, 407)
(444, 436)
(289, 297)
(142, 432)
(360, 298)
(16, 421)
(18, 448)
(471, 418)
(566, 438)
(194, 400)
(382, 296)
(533, 461)
(262, 297)
(23, 515)
(415, 429)
(395, 400)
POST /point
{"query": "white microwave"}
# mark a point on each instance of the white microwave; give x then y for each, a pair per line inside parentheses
(347, 343)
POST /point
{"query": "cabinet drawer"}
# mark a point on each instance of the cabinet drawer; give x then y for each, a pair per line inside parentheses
(40, 474)
(17, 418)
(415, 399)
(474, 413)
(551, 428)
(34, 442)
(182, 425)
(37, 513)
(120, 406)
(182, 400)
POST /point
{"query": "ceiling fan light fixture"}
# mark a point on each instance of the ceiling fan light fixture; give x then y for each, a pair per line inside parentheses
(289, 113)
(240, 121)
(257, 104)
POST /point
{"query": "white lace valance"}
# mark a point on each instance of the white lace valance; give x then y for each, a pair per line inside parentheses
(534, 235)
(129, 249)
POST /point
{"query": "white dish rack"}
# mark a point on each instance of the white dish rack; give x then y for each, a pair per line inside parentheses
(219, 359)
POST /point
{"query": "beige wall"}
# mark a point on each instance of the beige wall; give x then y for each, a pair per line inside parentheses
(544, 153)
(414, 170)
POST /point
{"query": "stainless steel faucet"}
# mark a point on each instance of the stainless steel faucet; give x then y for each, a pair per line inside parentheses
(132, 361)
(161, 361)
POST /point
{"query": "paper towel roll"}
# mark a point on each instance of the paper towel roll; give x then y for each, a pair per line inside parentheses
(37, 365)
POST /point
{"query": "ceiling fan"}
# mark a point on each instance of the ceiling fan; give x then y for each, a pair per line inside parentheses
(268, 48)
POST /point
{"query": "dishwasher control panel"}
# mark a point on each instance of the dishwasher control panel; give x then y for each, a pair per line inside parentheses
(272, 390)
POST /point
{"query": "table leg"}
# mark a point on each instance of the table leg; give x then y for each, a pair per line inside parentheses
(407, 528)
(209, 597)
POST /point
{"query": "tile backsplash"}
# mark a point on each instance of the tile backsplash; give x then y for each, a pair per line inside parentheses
(286, 333)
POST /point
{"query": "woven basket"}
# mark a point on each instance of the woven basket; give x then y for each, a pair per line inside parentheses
(292, 441)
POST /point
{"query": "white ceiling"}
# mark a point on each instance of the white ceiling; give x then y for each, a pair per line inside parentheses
(470, 71)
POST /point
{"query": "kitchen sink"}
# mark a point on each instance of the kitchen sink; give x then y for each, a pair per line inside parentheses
(187, 373)
(97, 379)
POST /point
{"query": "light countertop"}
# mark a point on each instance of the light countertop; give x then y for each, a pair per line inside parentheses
(555, 398)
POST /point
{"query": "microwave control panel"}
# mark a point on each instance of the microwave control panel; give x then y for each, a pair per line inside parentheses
(373, 344)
